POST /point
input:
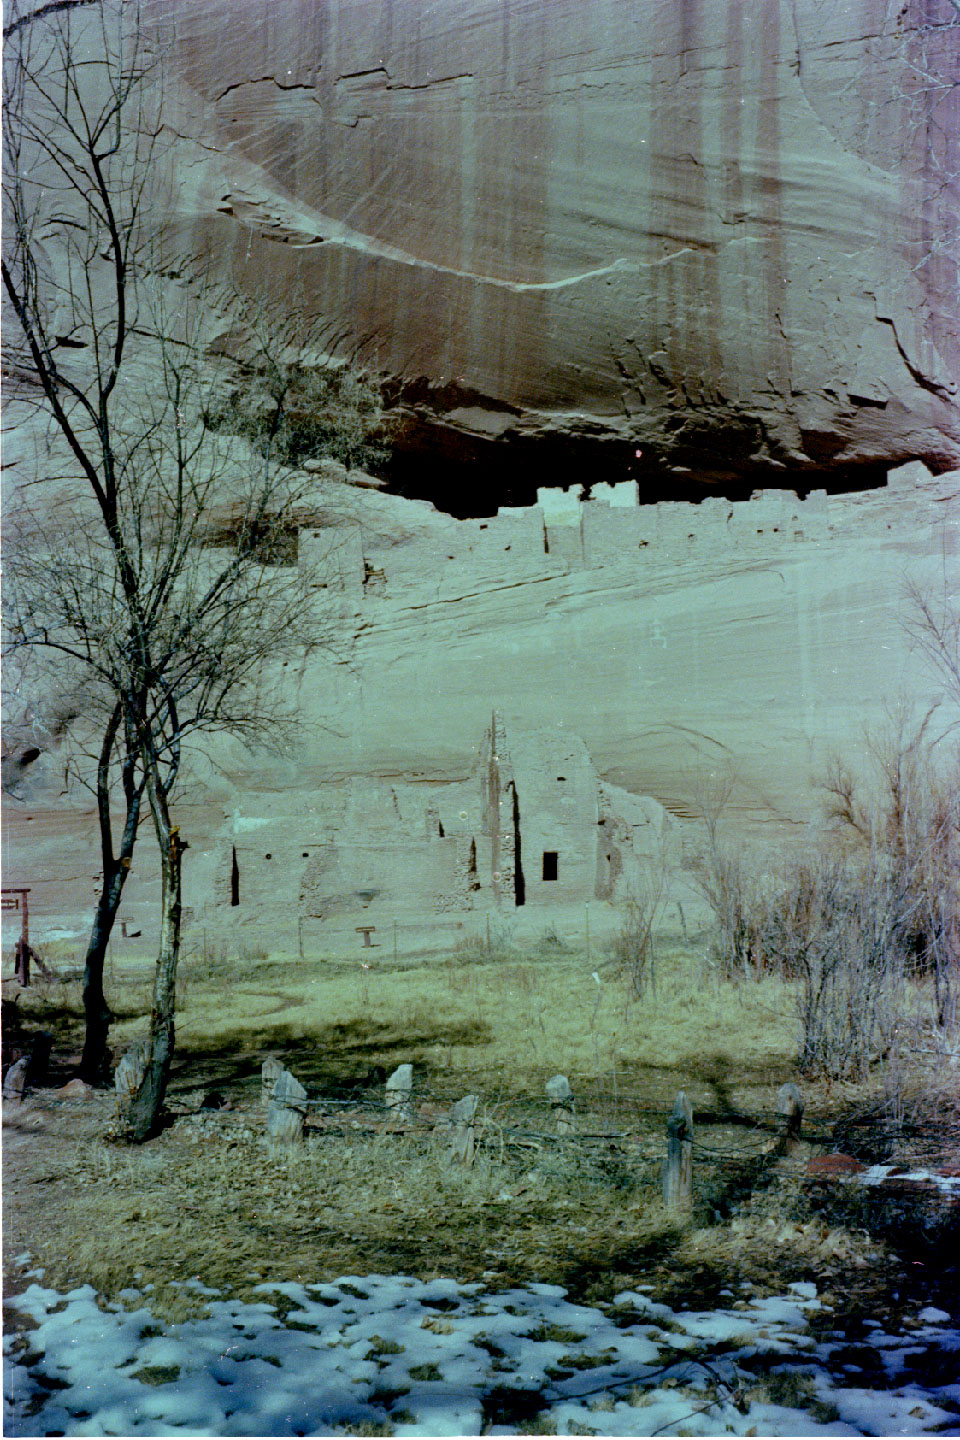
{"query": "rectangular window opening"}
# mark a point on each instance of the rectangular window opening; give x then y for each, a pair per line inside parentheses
(550, 864)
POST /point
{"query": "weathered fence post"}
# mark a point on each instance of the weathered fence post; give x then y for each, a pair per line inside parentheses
(399, 1092)
(15, 1080)
(678, 1166)
(21, 962)
(128, 1079)
(790, 1106)
(561, 1103)
(270, 1072)
(27, 1072)
(462, 1138)
(288, 1106)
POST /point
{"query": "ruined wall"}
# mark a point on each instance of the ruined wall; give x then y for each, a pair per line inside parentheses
(672, 652)
(533, 826)
(558, 798)
(679, 641)
(384, 558)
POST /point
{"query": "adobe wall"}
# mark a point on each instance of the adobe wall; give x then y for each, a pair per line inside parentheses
(679, 641)
(637, 651)
(566, 532)
(533, 827)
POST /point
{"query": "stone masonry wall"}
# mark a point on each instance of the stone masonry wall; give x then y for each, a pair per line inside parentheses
(565, 532)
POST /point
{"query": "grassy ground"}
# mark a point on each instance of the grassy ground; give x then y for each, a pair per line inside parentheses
(208, 1198)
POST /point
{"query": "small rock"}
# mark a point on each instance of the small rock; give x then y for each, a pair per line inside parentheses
(833, 1167)
(288, 1107)
(75, 1089)
(561, 1102)
(463, 1112)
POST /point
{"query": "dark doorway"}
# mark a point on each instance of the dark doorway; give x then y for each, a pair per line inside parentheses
(234, 879)
(550, 865)
(519, 884)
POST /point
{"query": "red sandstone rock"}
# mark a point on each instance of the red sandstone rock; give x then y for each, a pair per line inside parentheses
(692, 228)
(833, 1167)
(75, 1089)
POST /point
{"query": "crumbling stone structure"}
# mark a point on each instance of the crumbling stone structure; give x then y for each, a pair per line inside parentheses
(534, 826)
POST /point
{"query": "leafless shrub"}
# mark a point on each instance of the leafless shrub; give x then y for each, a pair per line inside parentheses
(634, 946)
(840, 932)
(732, 892)
(911, 835)
(868, 925)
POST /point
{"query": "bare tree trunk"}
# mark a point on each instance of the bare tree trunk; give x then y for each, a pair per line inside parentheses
(143, 1114)
(98, 1016)
(94, 1064)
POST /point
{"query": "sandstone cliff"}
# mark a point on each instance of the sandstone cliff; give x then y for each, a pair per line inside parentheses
(722, 234)
(565, 232)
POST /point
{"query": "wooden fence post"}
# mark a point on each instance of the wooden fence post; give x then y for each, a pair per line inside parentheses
(678, 1166)
(462, 1138)
(270, 1072)
(399, 1090)
(790, 1106)
(288, 1107)
(561, 1103)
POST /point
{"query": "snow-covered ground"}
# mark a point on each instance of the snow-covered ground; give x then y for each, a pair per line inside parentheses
(441, 1358)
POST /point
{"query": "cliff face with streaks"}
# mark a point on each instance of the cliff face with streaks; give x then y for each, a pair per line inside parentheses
(722, 234)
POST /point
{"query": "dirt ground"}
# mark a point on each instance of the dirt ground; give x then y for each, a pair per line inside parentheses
(208, 1197)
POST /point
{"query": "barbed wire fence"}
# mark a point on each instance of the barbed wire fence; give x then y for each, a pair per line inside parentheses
(600, 1134)
(596, 1130)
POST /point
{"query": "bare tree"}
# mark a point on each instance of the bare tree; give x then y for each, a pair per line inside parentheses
(726, 880)
(933, 624)
(73, 196)
(159, 566)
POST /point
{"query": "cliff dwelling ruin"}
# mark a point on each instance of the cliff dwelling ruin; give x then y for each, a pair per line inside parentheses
(670, 370)
(534, 825)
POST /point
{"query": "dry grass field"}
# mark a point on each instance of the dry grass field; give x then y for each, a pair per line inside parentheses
(208, 1198)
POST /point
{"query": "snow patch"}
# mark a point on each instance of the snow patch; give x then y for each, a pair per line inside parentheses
(356, 1351)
